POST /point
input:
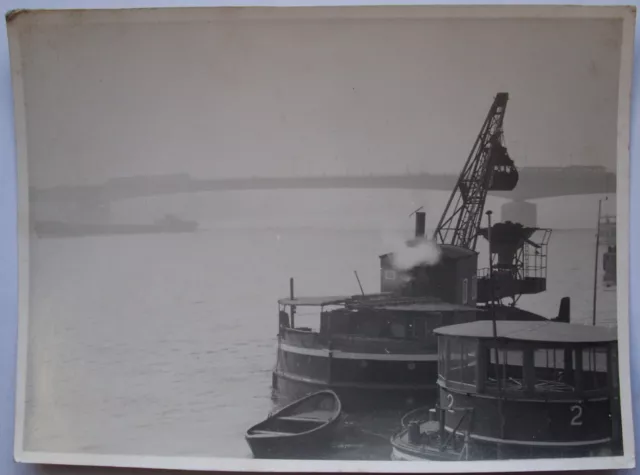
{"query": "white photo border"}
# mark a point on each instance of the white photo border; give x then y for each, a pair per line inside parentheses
(17, 20)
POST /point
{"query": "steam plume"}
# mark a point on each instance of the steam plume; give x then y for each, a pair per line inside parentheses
(407, 255)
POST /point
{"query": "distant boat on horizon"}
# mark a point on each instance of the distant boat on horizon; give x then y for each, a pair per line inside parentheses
(166, 224)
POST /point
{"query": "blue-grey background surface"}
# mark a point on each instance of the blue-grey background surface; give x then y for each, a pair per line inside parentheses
(8, 269)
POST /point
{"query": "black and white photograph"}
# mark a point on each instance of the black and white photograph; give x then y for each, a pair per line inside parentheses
(347, 238)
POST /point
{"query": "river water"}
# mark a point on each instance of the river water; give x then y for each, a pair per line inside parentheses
(164, 344)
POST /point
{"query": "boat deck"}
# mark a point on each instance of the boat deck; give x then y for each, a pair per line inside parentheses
(311, 416)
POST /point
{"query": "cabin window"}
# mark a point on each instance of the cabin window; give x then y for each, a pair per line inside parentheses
(443, 344)
(422, 328)
(465, 296)
(594, 368)
(394, 326)
(390, 274)
(433, 321)
(509, 370)
(470, 356)
(398, 330)
(550, 371)
(474, 288)
(460, 364)
(364, 324)
(417, 328)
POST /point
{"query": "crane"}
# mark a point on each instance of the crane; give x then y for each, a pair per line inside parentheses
(488, 167)
(519, 263)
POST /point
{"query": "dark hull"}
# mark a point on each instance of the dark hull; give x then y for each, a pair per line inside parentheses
(302, 429)
(554, 424)
(357, 397)
(406, 452)
(295, 446)
(478, 450)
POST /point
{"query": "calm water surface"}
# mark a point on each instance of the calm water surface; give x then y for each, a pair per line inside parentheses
(164, 344)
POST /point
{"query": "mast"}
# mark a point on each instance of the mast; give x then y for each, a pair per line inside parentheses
(292, 295)
(595, 264)
(495, 332)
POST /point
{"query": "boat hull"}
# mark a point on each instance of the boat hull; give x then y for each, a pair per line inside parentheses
(404, 450)
(356, 397)
(486, 451)
(366, 374)
(302, 429)
(302, 446)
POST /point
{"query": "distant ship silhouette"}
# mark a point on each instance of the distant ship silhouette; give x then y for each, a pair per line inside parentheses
(166, 224)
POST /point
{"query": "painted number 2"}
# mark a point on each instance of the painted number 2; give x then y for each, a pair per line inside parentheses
(450, 402)
(577, 415)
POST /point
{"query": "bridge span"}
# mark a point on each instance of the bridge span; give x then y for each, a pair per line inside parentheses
(93, 202)
(535, 183)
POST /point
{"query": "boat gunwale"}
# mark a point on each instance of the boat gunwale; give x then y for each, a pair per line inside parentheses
(397, 442)
(337, 411)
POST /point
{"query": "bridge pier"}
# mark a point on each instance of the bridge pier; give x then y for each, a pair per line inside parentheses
(522, 212)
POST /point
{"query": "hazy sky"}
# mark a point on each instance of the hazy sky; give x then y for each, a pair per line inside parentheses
(275, 97)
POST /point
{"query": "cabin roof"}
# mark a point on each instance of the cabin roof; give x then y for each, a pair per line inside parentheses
(552, 332)
(315, 301)
(456, 251)
(381, 301)
(448, 250)
(430, 307)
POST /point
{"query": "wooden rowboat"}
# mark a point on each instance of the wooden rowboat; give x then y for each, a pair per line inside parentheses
(301, 429)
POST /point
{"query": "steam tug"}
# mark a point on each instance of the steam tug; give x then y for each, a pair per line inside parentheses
(519, 390)
(381, 349)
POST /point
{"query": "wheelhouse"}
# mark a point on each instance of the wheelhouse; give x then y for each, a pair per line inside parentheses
(534, 359)
(529, 385)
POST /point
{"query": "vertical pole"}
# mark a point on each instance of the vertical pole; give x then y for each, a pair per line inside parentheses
(595, 264)
(293, 307)
(495, 334)
(491, 288)
(359, 283)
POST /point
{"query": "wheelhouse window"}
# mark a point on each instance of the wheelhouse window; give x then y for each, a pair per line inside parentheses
(548, 370)
(552, 374)
(365, 324)
(509, 371)
(390, 274)
(465, 291)
(474, 288)
(442, 356)
(397, 329)
(594, 368)
(421, 327)
(458, 360)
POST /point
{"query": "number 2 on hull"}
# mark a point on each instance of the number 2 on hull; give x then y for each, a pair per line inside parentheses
(576, 410)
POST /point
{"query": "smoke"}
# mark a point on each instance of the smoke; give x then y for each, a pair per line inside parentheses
(407, 255)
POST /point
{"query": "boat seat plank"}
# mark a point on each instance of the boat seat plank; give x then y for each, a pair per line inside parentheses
(270, 432)
(303, 419)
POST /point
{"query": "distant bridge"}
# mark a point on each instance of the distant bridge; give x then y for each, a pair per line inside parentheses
(535, 183)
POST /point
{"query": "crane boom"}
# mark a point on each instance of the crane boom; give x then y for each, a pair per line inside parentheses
(488, 167)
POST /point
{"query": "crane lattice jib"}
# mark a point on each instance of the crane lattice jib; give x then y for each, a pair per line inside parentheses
(488, 167)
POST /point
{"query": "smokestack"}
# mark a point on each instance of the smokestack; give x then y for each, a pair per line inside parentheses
(420, 224)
